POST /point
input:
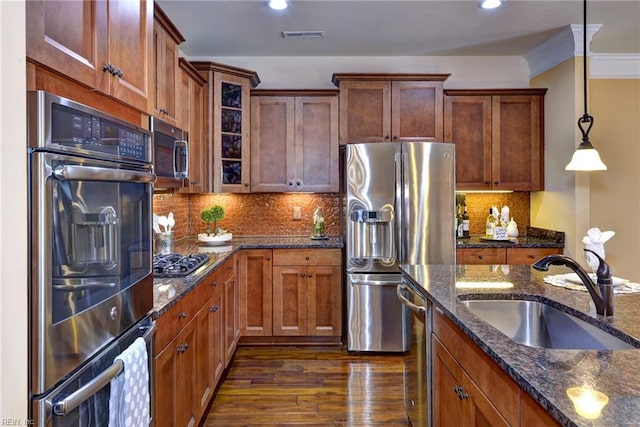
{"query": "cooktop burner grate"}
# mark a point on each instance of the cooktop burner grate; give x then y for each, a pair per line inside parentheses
(177, 265)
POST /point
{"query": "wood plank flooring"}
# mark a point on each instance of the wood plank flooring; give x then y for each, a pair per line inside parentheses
(310, 386)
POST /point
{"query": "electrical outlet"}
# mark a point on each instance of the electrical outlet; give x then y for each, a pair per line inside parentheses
(297, 212)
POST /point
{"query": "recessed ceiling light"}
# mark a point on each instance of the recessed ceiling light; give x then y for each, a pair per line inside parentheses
(278, 4)
(303, 34)
(490, 4)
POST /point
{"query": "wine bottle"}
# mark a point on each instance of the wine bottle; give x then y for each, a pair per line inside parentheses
(465, 222)
(459, 222)
(491, 223)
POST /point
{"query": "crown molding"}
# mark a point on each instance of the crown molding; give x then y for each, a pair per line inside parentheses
(614, 66)
(565, 44)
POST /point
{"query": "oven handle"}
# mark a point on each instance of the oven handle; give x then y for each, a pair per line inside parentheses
(93, 173)
(420, 309)
(76, 398)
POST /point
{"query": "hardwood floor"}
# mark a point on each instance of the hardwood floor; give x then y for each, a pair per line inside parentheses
(310, 386)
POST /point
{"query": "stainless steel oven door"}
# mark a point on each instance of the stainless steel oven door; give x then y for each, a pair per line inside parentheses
(83, 399)
(90, 259)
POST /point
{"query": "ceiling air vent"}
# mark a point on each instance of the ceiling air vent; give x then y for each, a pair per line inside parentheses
(303, 34)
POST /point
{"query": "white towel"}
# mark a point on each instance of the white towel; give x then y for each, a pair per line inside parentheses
(129, 399)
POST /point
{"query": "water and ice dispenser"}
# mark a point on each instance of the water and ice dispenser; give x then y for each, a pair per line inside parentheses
(372, 234)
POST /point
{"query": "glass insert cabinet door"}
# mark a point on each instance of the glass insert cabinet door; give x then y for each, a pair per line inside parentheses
(231, 133)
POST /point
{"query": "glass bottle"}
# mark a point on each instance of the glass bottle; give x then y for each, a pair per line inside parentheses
(491, 223)
(465, 222)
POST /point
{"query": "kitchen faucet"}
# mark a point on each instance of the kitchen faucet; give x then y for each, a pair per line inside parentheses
(601, 294)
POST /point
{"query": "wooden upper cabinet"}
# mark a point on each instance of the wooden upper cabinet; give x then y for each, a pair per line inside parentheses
(228, 124)
(390, 107)
(164, 101)
(294, 141)
(191, 115)
(499, 137)
(108, 47)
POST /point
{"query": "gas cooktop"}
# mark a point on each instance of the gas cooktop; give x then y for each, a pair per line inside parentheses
(177, 265)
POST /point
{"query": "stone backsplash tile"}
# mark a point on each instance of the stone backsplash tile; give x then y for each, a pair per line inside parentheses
(270, 214)
(258, 214)
(478, 205)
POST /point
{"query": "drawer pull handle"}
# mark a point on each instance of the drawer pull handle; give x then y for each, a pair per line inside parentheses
(307, 258)
(182, 315)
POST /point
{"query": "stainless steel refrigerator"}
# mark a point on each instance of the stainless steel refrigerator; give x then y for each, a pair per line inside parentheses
(400, 209)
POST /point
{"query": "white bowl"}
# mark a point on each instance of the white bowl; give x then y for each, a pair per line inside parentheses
(219, 239)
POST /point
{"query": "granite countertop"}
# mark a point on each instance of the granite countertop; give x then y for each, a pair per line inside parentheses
(544, 374)
(535, 238)
(167, 292)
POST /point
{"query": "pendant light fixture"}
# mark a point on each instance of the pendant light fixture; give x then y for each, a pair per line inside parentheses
(585, 158)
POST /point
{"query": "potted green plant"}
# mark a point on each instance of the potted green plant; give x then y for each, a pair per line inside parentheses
(215, 236)
(212, 215)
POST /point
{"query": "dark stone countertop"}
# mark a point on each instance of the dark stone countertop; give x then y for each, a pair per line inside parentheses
(167, 292)
(545, 374)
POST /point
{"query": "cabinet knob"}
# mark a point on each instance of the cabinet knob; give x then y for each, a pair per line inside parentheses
(395, 137)
(496, 182)
(299, 183)
(213, 309)
(532, 256)
(309, 275)
(182, 315)
(290, 183)
(480, 256)
(246, 184)
(108, 68)
(488, 182)
(268, 258)
(302, 275)
(214, 283)
(307, 258)
(386, 137)
(119, 73)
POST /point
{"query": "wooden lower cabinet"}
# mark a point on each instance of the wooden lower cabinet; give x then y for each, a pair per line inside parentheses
(470, 389)
(189, 363)
(503, 255)
(231, 312)
(290, 292)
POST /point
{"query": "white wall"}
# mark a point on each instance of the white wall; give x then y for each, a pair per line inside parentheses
(314, 72)
(13, 215)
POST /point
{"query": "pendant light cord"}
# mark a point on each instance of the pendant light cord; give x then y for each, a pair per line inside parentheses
(586, 118)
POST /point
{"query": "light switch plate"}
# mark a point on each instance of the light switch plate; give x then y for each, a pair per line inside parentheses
(297, 212)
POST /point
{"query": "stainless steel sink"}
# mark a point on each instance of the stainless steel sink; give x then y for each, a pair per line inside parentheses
(536, 324)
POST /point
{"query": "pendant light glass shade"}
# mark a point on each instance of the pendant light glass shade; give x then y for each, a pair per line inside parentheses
(585, 158)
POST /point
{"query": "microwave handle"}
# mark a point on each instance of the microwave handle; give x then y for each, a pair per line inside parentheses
(92, 173)
(178, 147)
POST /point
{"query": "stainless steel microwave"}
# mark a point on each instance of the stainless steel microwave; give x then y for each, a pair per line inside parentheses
(170, 154)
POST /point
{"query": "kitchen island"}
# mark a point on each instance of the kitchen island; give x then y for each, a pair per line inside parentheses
(544, 375)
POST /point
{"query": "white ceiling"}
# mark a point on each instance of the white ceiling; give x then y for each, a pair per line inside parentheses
(219, 28)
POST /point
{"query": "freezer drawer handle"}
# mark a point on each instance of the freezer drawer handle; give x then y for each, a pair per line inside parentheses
(74, 400)
(420, 309)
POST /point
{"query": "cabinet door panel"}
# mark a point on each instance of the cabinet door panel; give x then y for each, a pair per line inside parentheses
(187, 348)
(166, 386)
(316, 144)
(78, 49)
(481, 412)
(203, 358)
(365, 111)
(130, 36)
(467, 123)
(448, 409)
(517, 140)
(216, 320)
(255, 296)
(416, 111)
(289, 301)
(324, 306)
(272, 144)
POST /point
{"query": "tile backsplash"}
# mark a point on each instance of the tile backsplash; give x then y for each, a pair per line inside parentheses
(256, 214)
(270, 214)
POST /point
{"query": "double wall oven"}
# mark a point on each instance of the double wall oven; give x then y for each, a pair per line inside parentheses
(91, 283)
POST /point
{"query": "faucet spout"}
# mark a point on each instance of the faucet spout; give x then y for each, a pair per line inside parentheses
(601, 293)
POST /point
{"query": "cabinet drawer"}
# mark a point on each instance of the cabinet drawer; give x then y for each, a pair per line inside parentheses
(529, 255)
(481, 256)
(307, 257)
(228, 269)
(501, 390)
(173, 320)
